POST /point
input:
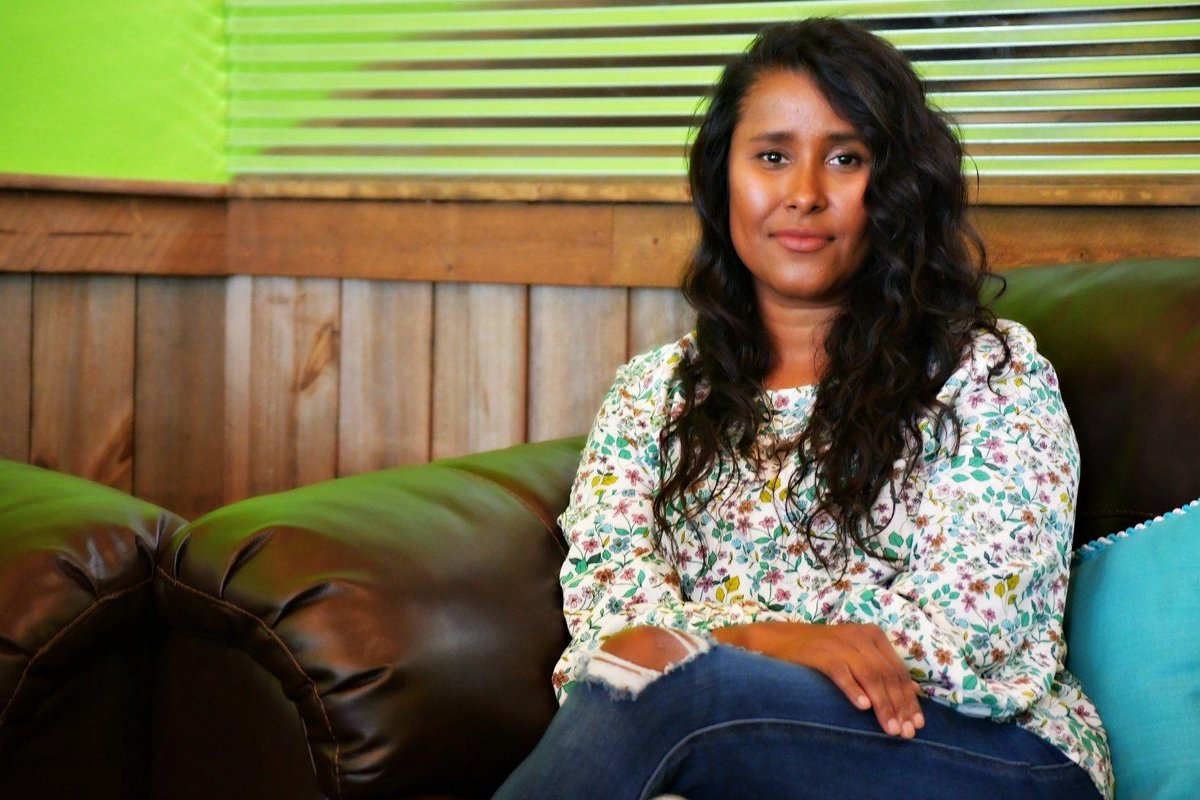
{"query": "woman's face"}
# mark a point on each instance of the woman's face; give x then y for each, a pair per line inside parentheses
(798, 173)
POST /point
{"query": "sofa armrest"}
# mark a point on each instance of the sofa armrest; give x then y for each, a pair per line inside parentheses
(76, 635)
(407, 619)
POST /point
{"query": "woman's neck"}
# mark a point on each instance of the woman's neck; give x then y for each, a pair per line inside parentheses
(797, 338)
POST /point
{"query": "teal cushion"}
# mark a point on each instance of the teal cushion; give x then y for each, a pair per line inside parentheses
(1133, 642)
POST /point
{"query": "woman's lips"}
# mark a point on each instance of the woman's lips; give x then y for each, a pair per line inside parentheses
(801, 240)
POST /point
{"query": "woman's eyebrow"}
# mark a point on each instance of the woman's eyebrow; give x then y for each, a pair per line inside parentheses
(786, 136)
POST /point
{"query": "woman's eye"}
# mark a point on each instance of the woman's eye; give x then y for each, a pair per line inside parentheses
(772, 157)
(845, 160)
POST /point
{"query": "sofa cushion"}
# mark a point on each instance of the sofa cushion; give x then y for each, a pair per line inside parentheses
(1131, 620)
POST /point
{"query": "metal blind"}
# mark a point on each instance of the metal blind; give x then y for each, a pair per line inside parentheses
(609, 88)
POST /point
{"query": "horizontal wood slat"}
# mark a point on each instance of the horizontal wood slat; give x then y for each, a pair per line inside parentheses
(547, 243)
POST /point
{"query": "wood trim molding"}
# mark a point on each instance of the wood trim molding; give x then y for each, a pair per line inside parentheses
(1183, 190)
(1173, 190)
(546, 243)
(58, 183)
(123, 234)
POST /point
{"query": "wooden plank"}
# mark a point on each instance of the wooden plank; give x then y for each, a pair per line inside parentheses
(16, 352)
(479, 367)
(1101, 190)
(83, 376)
(577, 340)
(180, 399)
(450, 189)
(656, 317)
(293, 387)
(1022, 236)
(386, 374)
(124, 234)
(469, 242)
(64, 183)
(651, 244)
(641, 244)
(1105, 190)
(238, 326)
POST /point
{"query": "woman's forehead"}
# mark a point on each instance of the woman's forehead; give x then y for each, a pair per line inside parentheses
(784, 104)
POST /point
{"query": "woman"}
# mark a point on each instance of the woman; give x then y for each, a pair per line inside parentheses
(819, 547)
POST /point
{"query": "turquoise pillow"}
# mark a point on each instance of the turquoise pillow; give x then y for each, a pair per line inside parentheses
(1133, 636)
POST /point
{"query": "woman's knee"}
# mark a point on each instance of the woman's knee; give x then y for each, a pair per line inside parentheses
(653, 648)
(632, 659)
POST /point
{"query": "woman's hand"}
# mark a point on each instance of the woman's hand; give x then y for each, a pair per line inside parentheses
(859, 659)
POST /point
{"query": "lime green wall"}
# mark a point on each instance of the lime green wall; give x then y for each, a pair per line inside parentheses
(113, 89)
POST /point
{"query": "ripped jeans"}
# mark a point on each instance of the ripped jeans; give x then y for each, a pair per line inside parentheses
(728, 724)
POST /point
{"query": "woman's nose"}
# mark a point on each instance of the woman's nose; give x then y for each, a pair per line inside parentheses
(805, 189)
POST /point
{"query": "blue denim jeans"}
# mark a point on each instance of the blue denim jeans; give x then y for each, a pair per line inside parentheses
(731, 724)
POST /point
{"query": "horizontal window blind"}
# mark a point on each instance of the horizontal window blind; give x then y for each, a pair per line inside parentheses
(575, 89)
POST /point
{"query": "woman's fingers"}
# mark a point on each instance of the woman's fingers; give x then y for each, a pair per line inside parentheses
(899, 684)
(858, 658)
(843, 678)
(861, 662)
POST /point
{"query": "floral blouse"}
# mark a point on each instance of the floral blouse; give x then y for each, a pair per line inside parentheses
(972, 597)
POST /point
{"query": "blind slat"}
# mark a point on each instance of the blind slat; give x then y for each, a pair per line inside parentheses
(573, 17)
(666, 166)
(931, 6)
(611, 77)
(676, 136)
(720, 45)
(557, 107)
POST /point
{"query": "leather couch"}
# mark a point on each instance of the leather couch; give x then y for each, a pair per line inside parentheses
(392, 634)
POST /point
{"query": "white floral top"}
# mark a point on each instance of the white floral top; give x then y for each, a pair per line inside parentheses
(982, 534)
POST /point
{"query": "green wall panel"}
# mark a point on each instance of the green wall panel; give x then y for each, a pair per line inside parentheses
(125, 89)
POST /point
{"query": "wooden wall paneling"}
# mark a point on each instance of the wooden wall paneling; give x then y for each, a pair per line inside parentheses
(657, 316)
(480, 353)
(179, 404)
(651, 244)
(364, 234)
(386, 374)
(1024, 236)
(111, 233)
(577, 340)
(16, 352)
(83, 376)
(238, 325)
(509, 243)
(293, 386)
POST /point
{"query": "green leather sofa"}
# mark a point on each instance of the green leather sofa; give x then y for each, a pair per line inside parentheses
(391, 635)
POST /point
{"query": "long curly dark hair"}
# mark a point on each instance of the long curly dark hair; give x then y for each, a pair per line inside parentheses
(910, 313)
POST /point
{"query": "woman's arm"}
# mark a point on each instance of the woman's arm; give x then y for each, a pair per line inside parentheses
(615, 575)
(985, 527)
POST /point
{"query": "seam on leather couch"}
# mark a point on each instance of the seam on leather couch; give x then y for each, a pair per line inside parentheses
(550, 525)
(83, 616)
(272, 635)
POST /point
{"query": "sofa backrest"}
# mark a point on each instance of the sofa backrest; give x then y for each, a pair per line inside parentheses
(1125, 341)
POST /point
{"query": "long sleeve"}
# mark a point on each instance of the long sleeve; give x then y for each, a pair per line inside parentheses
(984, 529)
(615, 576)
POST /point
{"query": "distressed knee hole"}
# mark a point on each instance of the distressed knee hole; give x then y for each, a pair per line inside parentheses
(633, 659)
